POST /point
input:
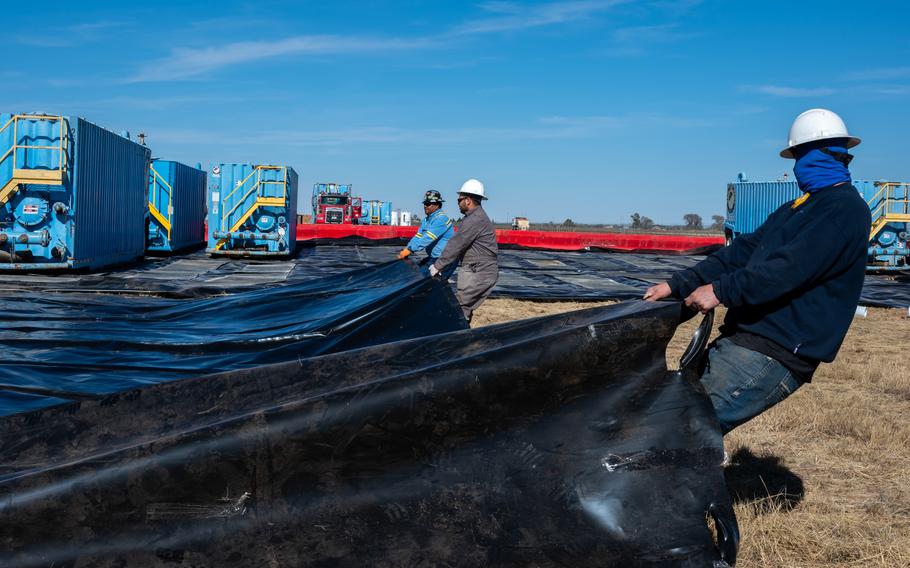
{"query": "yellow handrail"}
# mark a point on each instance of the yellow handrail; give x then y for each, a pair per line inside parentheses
(60, 147)
(165, 218)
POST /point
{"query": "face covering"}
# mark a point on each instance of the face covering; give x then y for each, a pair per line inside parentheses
(823, 166)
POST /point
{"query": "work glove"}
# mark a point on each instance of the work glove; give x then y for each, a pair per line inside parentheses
(433, 271)
(405, 252)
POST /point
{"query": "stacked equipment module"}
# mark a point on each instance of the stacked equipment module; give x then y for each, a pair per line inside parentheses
(72, 194)
(252, 210)
(176, 206)
(750, 203)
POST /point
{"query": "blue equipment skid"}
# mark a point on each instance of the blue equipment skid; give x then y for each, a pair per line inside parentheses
(176, 206)
(72, 194)
(252, 210)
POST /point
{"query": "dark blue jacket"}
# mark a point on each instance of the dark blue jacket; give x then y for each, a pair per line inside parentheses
(797, 279)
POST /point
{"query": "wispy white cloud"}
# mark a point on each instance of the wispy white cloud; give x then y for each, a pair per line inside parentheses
(69, 36)
(513, 16)
(184, 63)
(791, 92)
(544, 128)
(880, 74)
(646, 35)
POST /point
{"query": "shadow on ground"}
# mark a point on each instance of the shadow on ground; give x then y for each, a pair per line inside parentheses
(763, 481)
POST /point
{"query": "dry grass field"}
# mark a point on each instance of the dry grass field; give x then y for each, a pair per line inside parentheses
(823, 479)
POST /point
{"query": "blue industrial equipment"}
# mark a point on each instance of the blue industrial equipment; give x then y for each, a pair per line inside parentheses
(72, 194)
(252, 210)
(750, 203)
(176, 206)
(385, 213)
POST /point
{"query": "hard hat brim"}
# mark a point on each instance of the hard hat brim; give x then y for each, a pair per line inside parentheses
(852, 142)
(481, 197)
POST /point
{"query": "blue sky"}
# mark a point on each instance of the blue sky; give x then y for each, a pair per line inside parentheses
(585, 109)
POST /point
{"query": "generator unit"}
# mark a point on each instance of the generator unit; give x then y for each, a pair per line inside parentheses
(750, 203)
(252, 210)
(176, 202)
(72, 194)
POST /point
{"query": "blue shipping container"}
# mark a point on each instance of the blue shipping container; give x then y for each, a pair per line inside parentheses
(750, 203)
(252, 210)
(176, 206)
(386, 213)
(72, 194)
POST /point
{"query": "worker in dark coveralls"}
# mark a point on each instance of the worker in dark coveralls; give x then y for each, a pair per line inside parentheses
(435, 230)
(791, 287)
(474, 247)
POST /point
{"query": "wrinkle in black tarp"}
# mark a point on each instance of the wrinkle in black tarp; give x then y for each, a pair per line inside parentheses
(524, 274)
(64, 346)
(559, 441)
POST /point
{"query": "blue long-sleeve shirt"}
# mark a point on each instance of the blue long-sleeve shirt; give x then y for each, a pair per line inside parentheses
(797, 279)
(433, 234)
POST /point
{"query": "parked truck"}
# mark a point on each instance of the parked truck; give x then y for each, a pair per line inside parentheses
(335, 204)
(749, 203)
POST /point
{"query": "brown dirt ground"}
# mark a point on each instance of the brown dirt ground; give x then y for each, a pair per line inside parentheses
(823, 479)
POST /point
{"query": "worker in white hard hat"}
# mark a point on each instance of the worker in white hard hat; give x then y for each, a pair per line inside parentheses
(791, 287)
(474, 248)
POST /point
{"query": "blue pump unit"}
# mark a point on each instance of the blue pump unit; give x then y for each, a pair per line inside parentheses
(176, 206)
(252, 210)
(72, 194)
(750, 203)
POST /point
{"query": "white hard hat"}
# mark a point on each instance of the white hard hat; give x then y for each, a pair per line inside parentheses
(816, 124)
(473, 187)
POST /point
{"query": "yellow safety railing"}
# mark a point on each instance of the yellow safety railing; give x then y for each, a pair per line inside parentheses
(257, 188)
(164, 219)
(888, 207)
(21, 174)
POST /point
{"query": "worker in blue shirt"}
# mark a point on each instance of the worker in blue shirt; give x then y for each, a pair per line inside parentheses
(435, 230)
(791, 287)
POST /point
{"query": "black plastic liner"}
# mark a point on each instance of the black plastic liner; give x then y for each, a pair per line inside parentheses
(524, 274)
(55, 347)
(558, 441)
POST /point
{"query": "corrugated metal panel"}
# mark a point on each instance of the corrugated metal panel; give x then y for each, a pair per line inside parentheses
(183, 203)
(755, 201)
(233, 193)
(96, 216)
(110, 179)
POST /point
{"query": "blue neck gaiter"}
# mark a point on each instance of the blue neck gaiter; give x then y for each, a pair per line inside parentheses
(816, 169)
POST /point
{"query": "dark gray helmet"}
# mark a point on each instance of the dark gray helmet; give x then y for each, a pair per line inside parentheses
(431, 197)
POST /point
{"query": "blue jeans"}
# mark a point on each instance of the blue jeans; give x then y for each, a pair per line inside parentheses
(743, 383)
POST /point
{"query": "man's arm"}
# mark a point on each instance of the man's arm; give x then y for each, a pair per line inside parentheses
(824, 244)
(459, 243)
(724, 261)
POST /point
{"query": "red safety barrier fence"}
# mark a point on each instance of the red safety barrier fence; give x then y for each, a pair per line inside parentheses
(547, 240)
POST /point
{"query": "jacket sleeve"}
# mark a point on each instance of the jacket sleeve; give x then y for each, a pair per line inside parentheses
(459, 243)
(827, 243)
(724, 261)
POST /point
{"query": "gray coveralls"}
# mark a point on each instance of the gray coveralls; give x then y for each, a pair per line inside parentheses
(474, 247)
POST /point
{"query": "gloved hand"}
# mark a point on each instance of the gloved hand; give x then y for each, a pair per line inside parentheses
(433, 271)
(405, 252)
